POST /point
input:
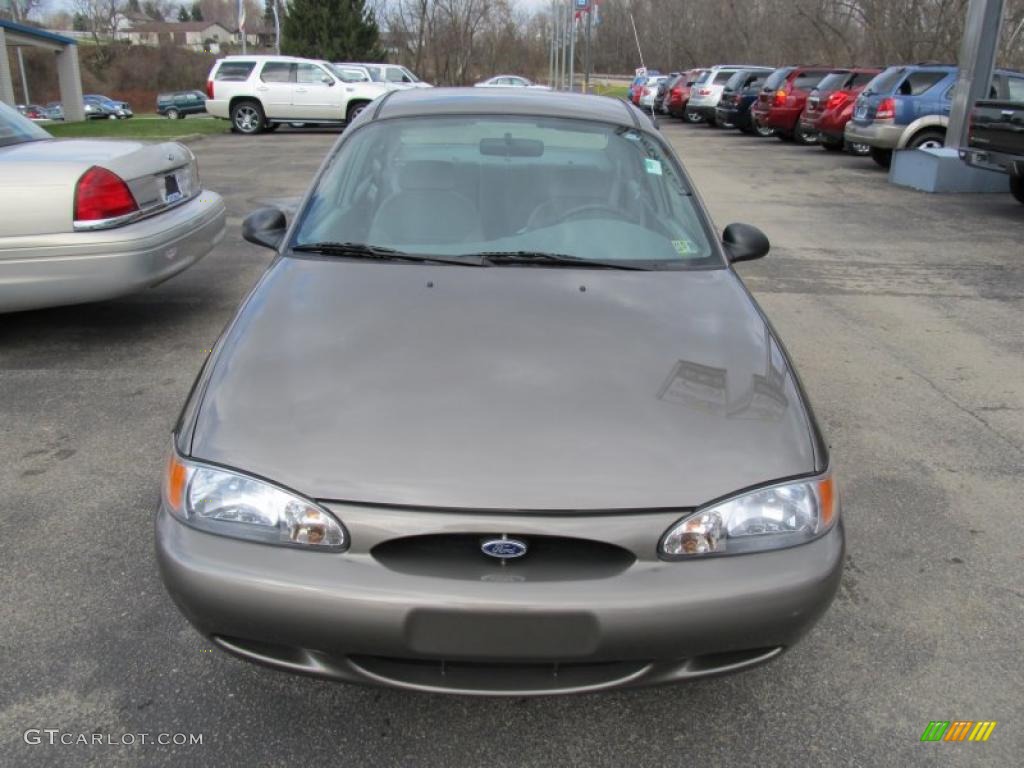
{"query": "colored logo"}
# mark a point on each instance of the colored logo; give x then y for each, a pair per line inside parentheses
(958, 730)
(504, 548)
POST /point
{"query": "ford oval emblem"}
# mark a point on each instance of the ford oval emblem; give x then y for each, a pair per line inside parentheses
(504, 548)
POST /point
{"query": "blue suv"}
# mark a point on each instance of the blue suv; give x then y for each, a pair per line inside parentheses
(907, 107)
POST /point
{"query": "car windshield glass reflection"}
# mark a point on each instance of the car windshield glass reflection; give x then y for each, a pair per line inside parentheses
(15, 129)
(462, 186)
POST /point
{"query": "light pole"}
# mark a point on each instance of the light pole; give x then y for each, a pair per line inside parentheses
(572, 48)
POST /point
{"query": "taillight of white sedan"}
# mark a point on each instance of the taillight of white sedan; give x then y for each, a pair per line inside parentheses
(87, 220)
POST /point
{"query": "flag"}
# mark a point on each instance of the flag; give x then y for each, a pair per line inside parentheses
(241, 17)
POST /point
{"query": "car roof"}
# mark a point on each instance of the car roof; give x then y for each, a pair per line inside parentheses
(263, 57)
(422, 102)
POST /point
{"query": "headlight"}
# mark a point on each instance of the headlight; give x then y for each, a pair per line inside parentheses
(233, 504)
(775, 517)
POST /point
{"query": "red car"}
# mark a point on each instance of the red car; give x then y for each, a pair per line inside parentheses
(783, 98)
(679, 94)
(830, 106)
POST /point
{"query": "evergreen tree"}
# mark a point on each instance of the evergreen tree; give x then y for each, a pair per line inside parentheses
(197, 12)
(183, 14)
(133, 7)
(335, 30)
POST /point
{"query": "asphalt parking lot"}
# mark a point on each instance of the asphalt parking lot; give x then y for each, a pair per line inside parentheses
(905, 316)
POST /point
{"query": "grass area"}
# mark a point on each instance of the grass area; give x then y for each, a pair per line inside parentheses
(136, 129)
(618, 91)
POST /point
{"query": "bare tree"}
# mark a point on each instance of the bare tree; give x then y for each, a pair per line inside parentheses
(21, 10)
(103, 17)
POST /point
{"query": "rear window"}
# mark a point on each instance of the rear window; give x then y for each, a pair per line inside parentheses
(919, 82)
(723, 77)
(735, 81)
(833, 82)
(861, 78)
(1015, 87)
(776, 78)
(234, 70)
(885, 82)
(704, 77)
(810, 79)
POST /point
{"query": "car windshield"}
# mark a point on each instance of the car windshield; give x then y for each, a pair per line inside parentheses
(466, 186)
(15, 129)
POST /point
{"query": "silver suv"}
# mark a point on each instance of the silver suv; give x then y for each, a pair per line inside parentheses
(258, 93)
(706, 92)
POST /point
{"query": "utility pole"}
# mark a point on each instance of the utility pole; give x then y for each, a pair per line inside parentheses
(586, 51)
(551, 45)
(241, 22)
(561, 46)
(24, 80)
(277, 30)
(572, 49)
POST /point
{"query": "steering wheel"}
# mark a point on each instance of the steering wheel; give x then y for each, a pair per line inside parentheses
(541, 217)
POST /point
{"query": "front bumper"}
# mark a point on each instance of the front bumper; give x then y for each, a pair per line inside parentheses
(76, 267)
(880, 135)
(517, 629)
(993, 161)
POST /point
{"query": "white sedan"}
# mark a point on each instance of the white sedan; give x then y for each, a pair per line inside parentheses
(86, 220)
(509, 81)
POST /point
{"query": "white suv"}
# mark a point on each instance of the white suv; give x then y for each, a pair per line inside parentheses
(258, 93)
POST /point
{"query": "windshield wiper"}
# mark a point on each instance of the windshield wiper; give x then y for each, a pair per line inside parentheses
(552, 259)
(366, 251)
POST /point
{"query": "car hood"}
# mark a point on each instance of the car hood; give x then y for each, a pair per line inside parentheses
(503, 387)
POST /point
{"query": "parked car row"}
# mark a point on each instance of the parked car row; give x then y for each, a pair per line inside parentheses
(864, 110)
(96, 106)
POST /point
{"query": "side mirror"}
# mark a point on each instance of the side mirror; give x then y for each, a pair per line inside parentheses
(744, 243)
(265, 226)
(327, 80)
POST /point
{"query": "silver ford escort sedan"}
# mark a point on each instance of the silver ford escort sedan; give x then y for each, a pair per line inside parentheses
(500, 418)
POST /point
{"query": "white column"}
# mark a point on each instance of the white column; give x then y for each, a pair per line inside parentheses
(70, 79)
(6, 86)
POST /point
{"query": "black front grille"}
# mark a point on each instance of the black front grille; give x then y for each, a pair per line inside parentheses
(499, 678)
(459, 556)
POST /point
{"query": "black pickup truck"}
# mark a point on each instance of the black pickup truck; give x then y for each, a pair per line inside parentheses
(996, 139)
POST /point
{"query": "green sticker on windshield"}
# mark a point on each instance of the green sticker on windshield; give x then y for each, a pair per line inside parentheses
(684, 247)
(652, 166)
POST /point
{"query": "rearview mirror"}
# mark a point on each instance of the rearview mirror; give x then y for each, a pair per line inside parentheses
(327, 80)
(743, 242)
(266, 227)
